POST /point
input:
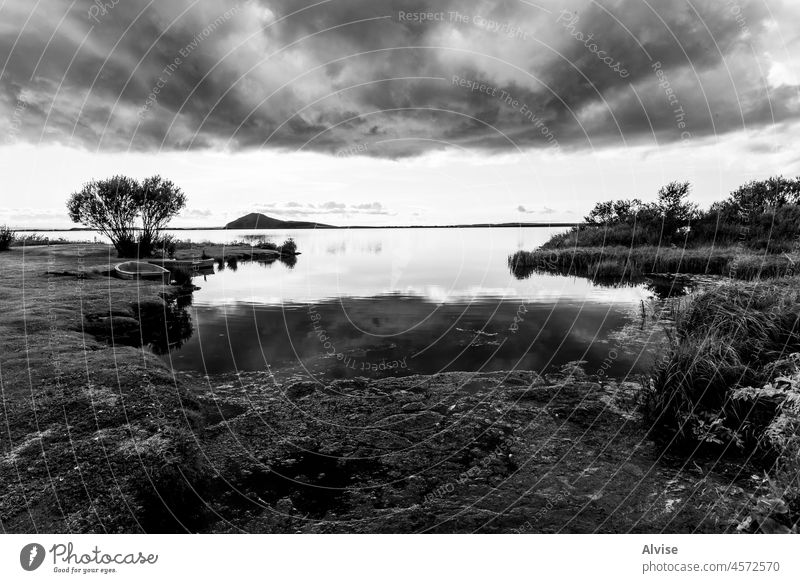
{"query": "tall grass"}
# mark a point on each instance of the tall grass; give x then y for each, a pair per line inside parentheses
(634, 262)
(622, 234)
(726, 341)
(724, 338)
(248, 242)
(37, 239)
(181, 276)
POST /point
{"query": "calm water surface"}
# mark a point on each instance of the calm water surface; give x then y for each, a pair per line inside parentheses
(405, 301)
(377, 302)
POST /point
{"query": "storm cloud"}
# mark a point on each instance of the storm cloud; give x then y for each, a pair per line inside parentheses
(389, 78)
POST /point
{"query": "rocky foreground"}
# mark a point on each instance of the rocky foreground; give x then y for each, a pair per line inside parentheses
(454, 452)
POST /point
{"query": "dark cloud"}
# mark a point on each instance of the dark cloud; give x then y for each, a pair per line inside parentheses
(369, 77)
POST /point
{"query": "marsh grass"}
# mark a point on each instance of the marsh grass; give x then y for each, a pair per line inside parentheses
(181, 276)
(727, 382)
(33, 239)
(183, 244)
(724, 338)
(603, 263)
(251, 248)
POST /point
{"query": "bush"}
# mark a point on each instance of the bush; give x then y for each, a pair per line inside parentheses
(775, 419)
(289, 247)
(758, 196)
(761, 215)
(6, 237)
(774, 230)
(612, 235)
(131, 214)
(158, 201)
(181, 276)
(632, 222)
(165, 245)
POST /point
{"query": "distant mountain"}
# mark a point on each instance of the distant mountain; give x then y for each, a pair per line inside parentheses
(259, 221)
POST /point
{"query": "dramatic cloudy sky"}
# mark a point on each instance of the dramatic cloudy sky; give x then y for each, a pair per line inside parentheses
(394, 111)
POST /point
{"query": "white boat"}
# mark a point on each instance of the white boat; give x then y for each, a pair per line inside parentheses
(140, 270)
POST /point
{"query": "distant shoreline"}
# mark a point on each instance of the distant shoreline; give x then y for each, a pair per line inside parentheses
(473, 226)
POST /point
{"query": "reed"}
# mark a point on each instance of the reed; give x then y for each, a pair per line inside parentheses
(724, 338)
(635, 262)
(181, 276)
(36, 239)
(730, 380)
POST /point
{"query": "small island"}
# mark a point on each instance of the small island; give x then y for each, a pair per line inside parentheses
(260, 221)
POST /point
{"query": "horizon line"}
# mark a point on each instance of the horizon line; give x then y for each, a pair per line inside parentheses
(320, 227)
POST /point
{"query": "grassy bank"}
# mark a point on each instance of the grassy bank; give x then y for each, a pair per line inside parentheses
(730, 381)
(237, 251)
(255, 248)
(620, 262)
(751, 234)
(31, 240)
(98, 436)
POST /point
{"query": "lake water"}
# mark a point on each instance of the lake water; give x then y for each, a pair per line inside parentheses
(377, 302)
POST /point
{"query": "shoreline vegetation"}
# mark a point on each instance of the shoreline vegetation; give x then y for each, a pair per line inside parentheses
(635, 263)
(729, 381)
(179, 246)
(751, 234)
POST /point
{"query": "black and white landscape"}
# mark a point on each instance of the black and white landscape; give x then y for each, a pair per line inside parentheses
(394, 266)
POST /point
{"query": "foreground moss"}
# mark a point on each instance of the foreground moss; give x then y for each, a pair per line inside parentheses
(99, 437)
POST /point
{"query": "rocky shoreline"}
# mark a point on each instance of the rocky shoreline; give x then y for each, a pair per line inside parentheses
(453, 452)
